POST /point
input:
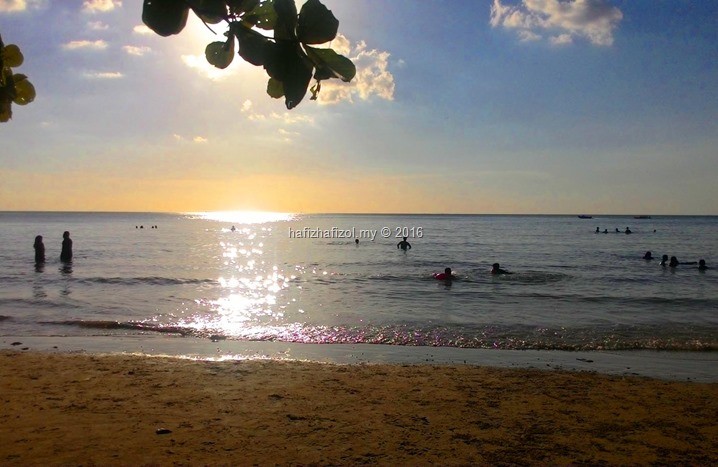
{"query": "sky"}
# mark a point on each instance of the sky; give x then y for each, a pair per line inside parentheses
(461, 106)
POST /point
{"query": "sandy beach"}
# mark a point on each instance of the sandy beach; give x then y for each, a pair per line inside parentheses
(60, 408)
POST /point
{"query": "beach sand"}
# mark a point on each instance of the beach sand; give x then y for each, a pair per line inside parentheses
(60, 408)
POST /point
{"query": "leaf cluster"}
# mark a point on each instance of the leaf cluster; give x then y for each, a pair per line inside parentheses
(14, 87)
(288, 57)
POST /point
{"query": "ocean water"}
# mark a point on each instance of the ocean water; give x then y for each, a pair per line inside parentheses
(285, 278)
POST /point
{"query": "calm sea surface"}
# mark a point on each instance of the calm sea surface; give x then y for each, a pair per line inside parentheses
(192, 275)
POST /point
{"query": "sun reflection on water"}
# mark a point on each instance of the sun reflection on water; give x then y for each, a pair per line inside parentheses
(250, 296)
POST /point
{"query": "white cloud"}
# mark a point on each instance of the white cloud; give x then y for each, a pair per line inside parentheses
(562, 20)
(97, 26)
(286, 135)
(138, 51)
(200, 64)
(291, 118)
(246, 106)
(562, 39)
(14, 6)
(100, 6)
(95, 45)
(195, 139)
(103, 75)
(373, 77)
(142, 29)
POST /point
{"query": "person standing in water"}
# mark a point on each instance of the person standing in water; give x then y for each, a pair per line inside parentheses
(66, 253)
(404, 245)
(39, 250)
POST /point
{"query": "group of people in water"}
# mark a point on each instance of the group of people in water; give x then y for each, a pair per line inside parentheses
(448, 274)
(673, 262)
(627, 231)
(65, 252)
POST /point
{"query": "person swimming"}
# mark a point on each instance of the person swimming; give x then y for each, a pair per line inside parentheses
(648, 255)
(674, 262)
(628, 231)
(598, 230)
(447, 275)
(664, 260)
(496, 269)
(702, 265)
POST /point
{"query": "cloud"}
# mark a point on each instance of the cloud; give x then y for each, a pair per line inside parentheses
(15, 6)
(373, 77)
(100, 6)
(286, 135)
(195, 139)
(200, 64)
(561, 20)
(103, 75)
(97, 26)
(142, 29)
(137, 51)
(95, 45)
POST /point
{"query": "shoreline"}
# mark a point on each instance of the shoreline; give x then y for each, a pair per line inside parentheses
(76, 408)
(665, 365)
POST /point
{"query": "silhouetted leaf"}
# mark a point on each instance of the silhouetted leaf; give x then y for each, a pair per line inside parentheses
(24, 90)
(252, 45)
(286, 62)
(263, 15)
(317, 24)
(165, 17)
(210, 11)
(237, 7)
(328, 61)
(220, 54)
(275, 88)
(286, 27)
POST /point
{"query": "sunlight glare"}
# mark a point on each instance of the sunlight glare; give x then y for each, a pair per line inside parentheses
(245, 217)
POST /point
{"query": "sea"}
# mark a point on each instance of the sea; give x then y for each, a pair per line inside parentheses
(337, 288)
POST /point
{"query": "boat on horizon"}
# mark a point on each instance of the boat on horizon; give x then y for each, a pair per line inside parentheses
(583, 216)
(641, 217)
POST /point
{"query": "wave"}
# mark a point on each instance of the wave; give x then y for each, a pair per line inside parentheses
(152, 280)
(486, 337)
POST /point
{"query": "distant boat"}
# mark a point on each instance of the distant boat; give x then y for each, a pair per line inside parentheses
(641, 217)
(583, 216)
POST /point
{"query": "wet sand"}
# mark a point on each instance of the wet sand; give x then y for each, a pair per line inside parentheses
(60, 408)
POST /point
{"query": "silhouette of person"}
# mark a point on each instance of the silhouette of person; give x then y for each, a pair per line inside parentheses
(496, 269)
(702, 265)
(404, 245)
(356, 241)
(66, 253)
(674, 262)
(664, 260)
(39, 250)
(617, 231)
(648, 255)
(605, 230)
(628, 231)
(598, 230)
